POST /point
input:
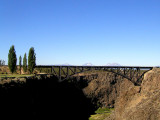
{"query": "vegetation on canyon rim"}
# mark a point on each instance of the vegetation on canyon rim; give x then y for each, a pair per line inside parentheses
(12, 60)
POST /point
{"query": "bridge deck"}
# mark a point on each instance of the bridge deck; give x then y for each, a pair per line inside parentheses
(64, 72)
(48, 66)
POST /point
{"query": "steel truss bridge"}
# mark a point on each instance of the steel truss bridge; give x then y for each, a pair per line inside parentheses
(64, 72)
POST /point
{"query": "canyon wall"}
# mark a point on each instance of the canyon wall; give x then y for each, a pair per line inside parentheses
(139, 102)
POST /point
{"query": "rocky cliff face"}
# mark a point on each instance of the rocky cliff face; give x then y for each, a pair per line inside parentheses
(42, 97)
(130, 102)
(102, 88)
(139, 102)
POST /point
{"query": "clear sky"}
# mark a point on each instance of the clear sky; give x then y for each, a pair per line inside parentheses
(81, 31)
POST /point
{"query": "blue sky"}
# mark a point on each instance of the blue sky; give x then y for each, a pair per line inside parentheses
(80, 31)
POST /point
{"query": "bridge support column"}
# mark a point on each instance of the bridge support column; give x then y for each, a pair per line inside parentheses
(130, 73)
(52, 70)
(124, 70)
(67, 72)
(59, 73)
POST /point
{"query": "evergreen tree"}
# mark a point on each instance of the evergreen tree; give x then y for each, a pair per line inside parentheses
(12, 59)
(20, 63)
(25, 63)
(31, 60)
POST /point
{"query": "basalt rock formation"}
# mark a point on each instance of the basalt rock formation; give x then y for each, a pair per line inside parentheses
(139, 102)
(130, 101)
(103, 88)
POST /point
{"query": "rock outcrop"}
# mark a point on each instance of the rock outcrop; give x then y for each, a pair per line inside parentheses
(139, 102)
(102, 87)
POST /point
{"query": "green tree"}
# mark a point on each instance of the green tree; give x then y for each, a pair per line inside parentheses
(25, 63)
(20, 63)
(12, 59)
(31, 60)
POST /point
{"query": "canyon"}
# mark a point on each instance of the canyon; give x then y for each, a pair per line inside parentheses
(42, 96)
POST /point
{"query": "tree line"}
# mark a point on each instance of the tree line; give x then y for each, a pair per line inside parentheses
(12, 60)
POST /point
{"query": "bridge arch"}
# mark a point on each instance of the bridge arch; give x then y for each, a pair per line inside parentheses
(129, 72)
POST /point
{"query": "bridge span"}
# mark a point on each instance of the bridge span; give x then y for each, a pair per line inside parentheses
(64, 72)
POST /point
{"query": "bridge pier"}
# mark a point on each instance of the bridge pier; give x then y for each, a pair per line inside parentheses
(59, 73)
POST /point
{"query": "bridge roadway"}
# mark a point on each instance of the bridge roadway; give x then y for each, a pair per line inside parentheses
(64, 72)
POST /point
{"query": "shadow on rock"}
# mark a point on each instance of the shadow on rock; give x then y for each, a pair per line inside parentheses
(44, 99)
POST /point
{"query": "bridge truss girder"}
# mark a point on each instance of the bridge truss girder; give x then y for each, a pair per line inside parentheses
(129, 72)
